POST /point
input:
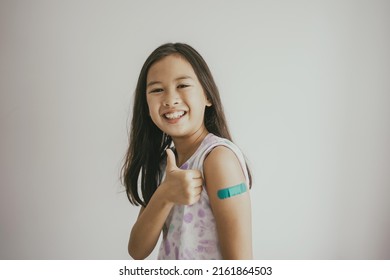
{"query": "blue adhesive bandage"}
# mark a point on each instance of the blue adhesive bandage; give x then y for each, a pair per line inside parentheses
(231, 191)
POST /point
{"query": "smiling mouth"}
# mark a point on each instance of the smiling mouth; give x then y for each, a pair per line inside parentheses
(174, 115)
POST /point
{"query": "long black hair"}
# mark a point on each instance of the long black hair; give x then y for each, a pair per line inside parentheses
(147, 143)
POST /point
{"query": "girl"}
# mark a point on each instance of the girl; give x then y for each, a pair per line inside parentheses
(181, 166)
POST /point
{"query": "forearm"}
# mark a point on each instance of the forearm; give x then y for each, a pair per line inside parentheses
(147, 229)
(179, 187)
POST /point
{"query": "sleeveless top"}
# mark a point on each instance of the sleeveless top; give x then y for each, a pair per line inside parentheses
(191, 231)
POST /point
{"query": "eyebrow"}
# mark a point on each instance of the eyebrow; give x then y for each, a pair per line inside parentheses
(158, 82)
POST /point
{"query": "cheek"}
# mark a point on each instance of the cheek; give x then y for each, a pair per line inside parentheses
(153, 111)
(200, 104)
(199, 109)
(151, 104)
(154, 116)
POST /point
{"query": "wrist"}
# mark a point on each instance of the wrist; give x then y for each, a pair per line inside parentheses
(163, 195)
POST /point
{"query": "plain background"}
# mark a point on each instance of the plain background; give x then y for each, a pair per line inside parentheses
(306, 89)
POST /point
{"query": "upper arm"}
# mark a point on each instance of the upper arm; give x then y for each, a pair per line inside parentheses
(222, 170)
(141, 211)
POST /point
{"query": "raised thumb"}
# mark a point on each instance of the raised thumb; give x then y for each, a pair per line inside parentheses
(171, 161)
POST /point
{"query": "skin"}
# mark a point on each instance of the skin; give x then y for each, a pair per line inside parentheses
(233, 215)
(173, 86)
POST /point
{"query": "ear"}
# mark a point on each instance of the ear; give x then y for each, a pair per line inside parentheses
(208, 103)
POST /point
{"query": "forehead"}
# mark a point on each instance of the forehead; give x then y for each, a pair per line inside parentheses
(170, 67)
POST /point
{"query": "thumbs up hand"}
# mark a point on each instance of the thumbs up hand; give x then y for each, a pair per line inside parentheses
(181, 186)
(171, 162)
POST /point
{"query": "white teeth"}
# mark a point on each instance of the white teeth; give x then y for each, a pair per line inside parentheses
(174, 115)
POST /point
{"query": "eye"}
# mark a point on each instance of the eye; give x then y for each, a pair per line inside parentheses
(183, 86)
(156, 90)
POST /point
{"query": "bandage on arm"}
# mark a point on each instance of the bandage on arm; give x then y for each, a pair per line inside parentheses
(230, 202)
(232, 191)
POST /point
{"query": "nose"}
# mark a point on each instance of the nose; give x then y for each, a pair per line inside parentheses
(172, 98)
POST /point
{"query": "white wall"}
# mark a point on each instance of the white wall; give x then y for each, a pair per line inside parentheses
(305, 85)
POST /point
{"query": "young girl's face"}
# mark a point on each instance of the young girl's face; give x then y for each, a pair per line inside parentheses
(175, 97)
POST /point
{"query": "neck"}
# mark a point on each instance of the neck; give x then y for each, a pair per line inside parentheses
(186, 146)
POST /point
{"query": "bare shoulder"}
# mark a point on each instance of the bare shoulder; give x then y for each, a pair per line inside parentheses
(222, 169)
(221, 154)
